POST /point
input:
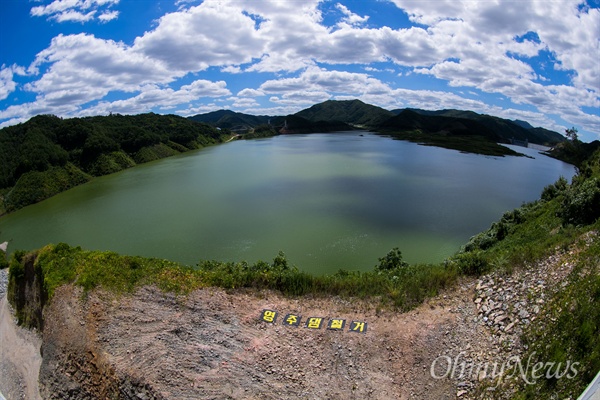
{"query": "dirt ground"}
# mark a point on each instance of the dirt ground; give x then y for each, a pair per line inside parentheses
(212, 344)
(20, 358)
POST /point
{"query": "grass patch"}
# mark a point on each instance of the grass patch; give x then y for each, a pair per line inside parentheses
(401, 287)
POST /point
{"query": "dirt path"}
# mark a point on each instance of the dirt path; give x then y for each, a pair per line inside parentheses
(19, 358)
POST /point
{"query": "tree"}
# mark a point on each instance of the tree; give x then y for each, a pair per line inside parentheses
(392, 261)
(571, 134)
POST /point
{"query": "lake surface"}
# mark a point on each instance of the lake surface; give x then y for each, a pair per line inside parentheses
(329, 201)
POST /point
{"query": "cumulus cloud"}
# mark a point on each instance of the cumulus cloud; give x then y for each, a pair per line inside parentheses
(250, 93)
(89, 68)
(7, 84)
(152, 96)
(350, 18)
(211, 34)
(484, 41)
(108, 16)
(76, 10)
(323, 80)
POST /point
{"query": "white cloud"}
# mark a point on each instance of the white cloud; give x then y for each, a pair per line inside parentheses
(76, 10)
(108, 16)
(74, 16)
(93, 67)
(322, 80)
(349, 17)
(250, 93)
(7, 84)
(211, 34)
(480, 40)
(201, 109)
(232, 69)
(243, 102)
(152, 96)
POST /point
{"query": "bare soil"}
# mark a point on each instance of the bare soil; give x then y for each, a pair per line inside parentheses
(212, 344)
(19, 358)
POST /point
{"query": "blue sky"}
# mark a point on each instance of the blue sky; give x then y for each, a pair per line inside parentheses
(528, 60)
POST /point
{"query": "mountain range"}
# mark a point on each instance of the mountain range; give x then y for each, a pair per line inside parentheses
(346, 114)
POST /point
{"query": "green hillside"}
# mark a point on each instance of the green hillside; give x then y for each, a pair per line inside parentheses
(460, 134)
(47, 155)
(227, 119)
(455, 129)
(297, 124)
(353, 112)
(502, 128)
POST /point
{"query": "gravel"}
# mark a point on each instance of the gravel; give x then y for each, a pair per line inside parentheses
(3, 281)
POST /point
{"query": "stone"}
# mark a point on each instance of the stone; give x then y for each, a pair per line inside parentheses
(509, 326)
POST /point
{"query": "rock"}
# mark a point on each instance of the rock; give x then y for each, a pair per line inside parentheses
(509, 326)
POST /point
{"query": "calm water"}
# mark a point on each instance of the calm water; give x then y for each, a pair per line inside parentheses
(329, 201)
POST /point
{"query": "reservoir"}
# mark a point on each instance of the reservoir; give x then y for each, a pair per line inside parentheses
(328, 201)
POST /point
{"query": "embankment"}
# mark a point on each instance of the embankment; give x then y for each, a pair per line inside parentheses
(211, 343)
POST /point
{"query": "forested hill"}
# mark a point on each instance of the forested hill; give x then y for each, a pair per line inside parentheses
(443, 127)
(231, 120)
(353, 112)
(495, 126)
(47, 155)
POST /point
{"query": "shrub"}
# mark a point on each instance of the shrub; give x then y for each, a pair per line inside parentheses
(391, 261)
(471, 263)
(554, 190)
(581, 204)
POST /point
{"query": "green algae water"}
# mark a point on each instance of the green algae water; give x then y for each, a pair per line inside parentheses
(328, 201)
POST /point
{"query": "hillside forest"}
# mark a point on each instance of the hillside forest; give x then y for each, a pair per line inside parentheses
(48, 155)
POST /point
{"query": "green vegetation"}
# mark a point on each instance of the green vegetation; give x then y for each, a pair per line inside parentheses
(567, 217)
(231, 120)
(465, 131)
(297, 124)
(573, 150)
(489, 126)
(47, 155)
(261, 131)
(35, 186)
(353, 112)
(394, 282)
(468, 144)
